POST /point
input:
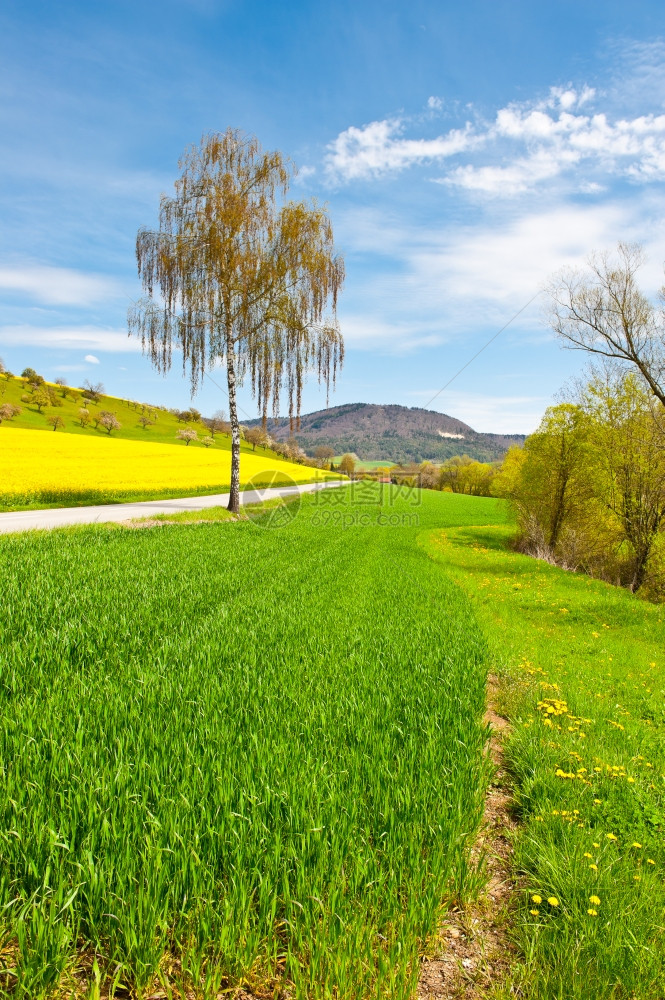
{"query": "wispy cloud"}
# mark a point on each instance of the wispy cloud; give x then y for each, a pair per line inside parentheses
(69, 337)
(489, 413)
(441, 285)
(57, 285)
(91, 359)
(396, 335)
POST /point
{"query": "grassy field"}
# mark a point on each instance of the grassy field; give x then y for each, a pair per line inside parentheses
(241, 756)
(49, 470)
(582, 674)
(163, 430)
(227, 759)
(363, 466)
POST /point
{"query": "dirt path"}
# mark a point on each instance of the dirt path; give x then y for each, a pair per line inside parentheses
(473, 950)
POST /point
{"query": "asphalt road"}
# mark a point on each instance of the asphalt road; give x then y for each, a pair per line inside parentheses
(26, 520)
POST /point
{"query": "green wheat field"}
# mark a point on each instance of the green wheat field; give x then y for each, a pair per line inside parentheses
(252, 754)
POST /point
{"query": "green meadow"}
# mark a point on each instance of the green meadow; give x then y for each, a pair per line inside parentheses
(235, 755)
(582, 682)
(252, 754)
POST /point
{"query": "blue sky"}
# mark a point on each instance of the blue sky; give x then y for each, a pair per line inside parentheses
(465, 151)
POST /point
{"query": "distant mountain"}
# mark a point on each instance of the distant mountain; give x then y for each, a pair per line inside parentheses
(392, 433)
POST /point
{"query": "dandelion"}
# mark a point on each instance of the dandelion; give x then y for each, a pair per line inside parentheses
(635, 844)
(552, 900)
(610, 836)
(536, 899)
(592, 912)
(534, 913)
(595, 844)
(594, 867)
(638, 878)
(594, 900)
(650, 861)
(597, 802)
(587, 855)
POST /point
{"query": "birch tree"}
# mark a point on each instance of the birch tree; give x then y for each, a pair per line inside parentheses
(233, 276)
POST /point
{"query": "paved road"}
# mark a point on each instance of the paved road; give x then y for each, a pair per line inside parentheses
(26, 519)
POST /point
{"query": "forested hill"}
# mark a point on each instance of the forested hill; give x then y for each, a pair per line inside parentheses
(394, 433)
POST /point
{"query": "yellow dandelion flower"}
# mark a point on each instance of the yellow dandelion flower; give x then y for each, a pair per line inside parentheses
(597, 802)
(595, 844)
(610, 836)
(650, 861)
(592, 912)
(534, 913)
(635, 844)
(552, 900)
(638, 878)
(594, 867)
(587, 855)
(536, 898)
(594, 900)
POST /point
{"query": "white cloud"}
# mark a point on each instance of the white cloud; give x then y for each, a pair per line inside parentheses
(304, 173)
(442, 285)
(487, 413)
(435, 103)
(521, 175)
(69, 337)
(57, 285)
(394, 336)
(526, 144)
(91, 359)
(377, 148)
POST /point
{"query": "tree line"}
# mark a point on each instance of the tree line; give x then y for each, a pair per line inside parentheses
(588, 487)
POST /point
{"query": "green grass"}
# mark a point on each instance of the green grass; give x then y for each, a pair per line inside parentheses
(589, 775)
(363, 466)
(234, 755)
(237, 755)
(96, 498)
(162, 431)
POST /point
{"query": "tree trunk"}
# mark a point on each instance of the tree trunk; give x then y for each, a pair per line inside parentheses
(640, 572)
(234, 498)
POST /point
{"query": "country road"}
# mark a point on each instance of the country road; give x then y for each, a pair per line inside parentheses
(26, 520)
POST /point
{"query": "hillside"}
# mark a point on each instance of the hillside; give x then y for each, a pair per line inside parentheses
(392, 433)
(162, 429)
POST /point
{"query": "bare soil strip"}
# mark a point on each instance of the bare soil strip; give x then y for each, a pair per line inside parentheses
(473, 951)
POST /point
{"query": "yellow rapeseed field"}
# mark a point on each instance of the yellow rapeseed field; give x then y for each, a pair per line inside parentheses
(42, 467)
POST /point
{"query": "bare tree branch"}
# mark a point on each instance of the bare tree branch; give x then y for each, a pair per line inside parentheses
(602, 311)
